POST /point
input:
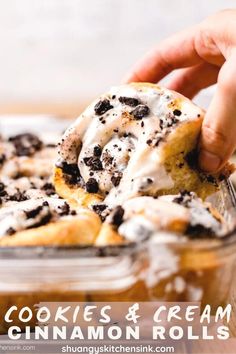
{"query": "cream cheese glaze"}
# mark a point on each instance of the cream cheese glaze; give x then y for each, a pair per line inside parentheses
(128, 125)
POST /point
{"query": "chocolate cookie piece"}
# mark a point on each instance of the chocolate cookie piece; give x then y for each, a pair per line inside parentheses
(117, 216)
(97, 150)
(70, 171)
(140, 112)
(116, 178)
(177, 112)
(26, 144)
(94, 163)
(49, 189)
(64, 209)
(2, 159)
(129, 101)
(92, 185)
(102, 107)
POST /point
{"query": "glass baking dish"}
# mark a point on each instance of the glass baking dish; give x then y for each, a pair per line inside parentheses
(154, 270)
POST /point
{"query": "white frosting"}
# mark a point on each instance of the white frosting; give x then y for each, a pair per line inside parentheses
(139, 162)
(147, 216)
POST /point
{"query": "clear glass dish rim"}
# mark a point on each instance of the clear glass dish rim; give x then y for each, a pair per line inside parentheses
(60, 252)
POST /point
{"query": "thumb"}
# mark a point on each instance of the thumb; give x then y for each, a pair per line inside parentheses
(218, 135)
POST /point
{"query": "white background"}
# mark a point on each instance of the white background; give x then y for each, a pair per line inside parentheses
(68, 51)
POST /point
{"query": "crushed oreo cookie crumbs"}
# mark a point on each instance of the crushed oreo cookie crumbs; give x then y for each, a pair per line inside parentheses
(71, 170)
(64, 209)
(2, 159)
(140, 112)
(177, 112)
(129, 101)
(92, 185)
(10, 231)
(117, 216)
(93, 162)
(49, 189)
(97, 150)
(102, 107)
(116, 178)
(26, 144)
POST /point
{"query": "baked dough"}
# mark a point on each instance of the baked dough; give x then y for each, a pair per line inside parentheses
(136, 140)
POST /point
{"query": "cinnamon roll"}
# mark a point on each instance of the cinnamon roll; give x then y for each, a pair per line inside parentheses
(26, 155)
(26, 164)
(136, 140)
(47, 221)
(169, 218)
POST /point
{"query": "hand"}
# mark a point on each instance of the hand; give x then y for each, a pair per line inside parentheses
(206, 54)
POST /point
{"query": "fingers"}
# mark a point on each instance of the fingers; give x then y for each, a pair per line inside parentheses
(218, 136)
(192, 80)
(175, 52)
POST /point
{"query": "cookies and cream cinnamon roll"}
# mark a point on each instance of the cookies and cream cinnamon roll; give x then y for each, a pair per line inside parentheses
(26, 163)
(136, 140)
(183, 215)
(26, 155)
(47, 221)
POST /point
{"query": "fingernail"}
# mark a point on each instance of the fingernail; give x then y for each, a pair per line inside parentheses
(209, 161)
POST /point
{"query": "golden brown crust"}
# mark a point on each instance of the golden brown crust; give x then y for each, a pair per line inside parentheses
(108, 236)
(73, 194)
(79, 230)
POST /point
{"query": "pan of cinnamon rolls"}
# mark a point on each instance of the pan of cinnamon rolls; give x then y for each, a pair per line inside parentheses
(124, 173)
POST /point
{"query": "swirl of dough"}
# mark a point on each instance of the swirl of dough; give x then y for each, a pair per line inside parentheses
(132, 141)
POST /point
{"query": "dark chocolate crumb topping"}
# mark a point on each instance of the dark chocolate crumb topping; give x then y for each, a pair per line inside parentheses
(2, 186)
(10, 231)
(2, 159)
(44, 221)
(31, 214)
(140, 111)
(177, 112)
(129, 101)
(26, 144)
(184, 198)
(49, 188)
(17, 197)
(97, 150)
(71, 170)
(102, 107)
(117, 216)
(99, 208)
(116, 178)
(93, 162)
(64, 209)
(107, 158)
(92, 185)
(199, 232)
